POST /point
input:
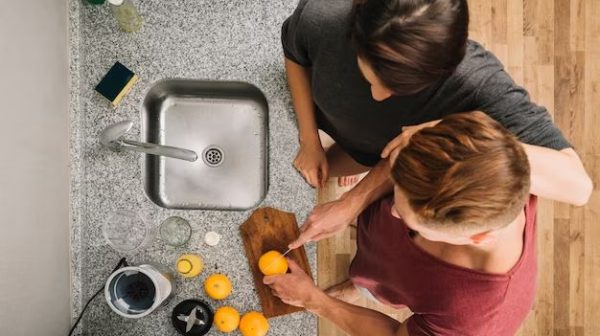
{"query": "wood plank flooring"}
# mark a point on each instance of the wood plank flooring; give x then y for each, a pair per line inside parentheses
(552, 48)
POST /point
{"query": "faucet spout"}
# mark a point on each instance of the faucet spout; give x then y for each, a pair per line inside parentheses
(168, 151)
(113, 138)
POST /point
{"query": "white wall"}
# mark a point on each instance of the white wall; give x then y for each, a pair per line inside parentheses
(34, 175)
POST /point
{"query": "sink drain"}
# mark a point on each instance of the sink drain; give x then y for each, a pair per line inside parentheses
(212, 156)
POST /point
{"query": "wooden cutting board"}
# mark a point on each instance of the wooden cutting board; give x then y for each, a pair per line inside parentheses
(271, 229)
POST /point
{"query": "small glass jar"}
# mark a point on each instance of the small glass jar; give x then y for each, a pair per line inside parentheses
(175, 231)
(127, 16)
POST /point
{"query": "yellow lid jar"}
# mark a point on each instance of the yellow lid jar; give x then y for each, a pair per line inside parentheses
(189, 265)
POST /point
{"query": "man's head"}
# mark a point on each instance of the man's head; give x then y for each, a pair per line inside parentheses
(405, 46)
(461, 179)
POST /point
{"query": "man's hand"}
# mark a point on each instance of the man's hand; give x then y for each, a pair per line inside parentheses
(392, 149)
(311, 162)
(298, 289)
(295, 288)
(324, 221)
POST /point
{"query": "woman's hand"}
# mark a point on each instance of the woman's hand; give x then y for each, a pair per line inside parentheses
(311, 162)
(392, 149)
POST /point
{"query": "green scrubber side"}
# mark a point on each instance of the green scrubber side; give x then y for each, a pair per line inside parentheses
(116, 83)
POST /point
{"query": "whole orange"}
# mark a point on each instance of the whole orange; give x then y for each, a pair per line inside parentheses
(227, 319)
(217, 286)
(272, 263)
(254, 324)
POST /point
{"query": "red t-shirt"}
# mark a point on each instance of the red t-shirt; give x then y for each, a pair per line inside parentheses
(446, 299)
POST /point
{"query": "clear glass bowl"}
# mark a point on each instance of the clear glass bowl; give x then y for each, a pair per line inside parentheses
(126, 231)
(175, 231)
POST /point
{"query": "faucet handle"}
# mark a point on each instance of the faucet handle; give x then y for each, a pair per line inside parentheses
(111, 134)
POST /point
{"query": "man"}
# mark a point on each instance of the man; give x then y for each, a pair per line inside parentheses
(456, 243)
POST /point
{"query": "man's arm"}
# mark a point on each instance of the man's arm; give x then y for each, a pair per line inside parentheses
(355, 320)
(374, 185)
(329, 218)
(298, 289)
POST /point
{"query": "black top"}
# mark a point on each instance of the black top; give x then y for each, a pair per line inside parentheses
(316, 36)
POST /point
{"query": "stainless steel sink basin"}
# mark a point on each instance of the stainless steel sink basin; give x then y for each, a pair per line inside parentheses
(226, 124)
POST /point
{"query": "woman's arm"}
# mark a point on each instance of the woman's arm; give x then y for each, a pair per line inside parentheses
(558, 175)
(311, 160)
(298, 78)
(557, 172)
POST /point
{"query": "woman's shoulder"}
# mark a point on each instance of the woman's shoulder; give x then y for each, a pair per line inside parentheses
(480, 74)
(324, 15)
(477, 65)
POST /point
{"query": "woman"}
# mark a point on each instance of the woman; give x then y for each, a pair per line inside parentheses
(455, 243)
(368, 70)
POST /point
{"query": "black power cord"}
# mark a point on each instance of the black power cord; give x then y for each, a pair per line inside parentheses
(122, 262)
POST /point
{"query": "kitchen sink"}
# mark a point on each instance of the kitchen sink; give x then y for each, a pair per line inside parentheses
(226, 124)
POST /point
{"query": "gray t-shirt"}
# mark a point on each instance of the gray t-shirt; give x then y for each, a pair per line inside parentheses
(317, 36)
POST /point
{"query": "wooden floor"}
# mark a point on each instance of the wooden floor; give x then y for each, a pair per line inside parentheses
(552, 47)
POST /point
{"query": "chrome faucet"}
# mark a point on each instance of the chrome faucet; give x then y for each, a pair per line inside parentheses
(112, 138)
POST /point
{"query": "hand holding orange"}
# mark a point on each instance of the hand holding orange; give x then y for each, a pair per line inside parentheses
(272, 263)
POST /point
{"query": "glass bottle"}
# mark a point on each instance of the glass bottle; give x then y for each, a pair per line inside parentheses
(127, 16)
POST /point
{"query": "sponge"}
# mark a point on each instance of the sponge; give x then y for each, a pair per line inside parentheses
(117, 82)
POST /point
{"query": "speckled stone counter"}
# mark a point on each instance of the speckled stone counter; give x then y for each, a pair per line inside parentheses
(203, 39)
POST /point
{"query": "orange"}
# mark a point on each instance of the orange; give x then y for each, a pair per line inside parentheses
(272, 263)
(217, 286)
(254, 324)
(227, 319)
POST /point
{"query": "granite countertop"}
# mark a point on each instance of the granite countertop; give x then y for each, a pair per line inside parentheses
(202, 39)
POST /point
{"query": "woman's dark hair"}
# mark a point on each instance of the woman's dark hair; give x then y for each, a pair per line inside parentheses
(410, 44)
